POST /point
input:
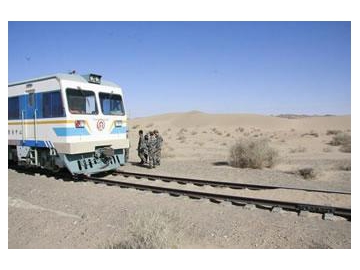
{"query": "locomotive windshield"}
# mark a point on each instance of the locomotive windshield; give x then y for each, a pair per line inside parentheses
(81, 101)
(111, 104)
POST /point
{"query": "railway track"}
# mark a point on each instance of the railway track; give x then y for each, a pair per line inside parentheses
(213, 197)
(218, 198)
(233, 185)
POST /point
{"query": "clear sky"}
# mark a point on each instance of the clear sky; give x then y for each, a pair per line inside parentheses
(215, 67)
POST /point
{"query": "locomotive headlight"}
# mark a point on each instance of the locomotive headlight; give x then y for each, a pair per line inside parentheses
(118, 123)
(93, 78)
(79, 123)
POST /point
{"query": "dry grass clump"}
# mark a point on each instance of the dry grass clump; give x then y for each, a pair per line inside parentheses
(252, 153)
(342, 139)
(311, 133)
(240, 129)
(344, 165)
(332, 132)
(299, 149)
(150, 125)
(218, 132)
(151, 230)
(307, 173)
(181, 138)
(199, 143)
(135, 127)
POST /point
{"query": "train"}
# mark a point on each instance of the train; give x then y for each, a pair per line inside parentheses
(68, 121)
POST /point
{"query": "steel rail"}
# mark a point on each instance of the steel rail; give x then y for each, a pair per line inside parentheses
(200, 182)
(237, 200)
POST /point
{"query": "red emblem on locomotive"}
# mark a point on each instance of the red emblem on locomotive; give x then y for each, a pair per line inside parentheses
(100, 124)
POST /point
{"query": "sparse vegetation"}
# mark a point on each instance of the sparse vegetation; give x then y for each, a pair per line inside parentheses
(252, 153)
(299, 149)
(333, 132)
(344, 165)
(151, 230)
(136, 126)
(311, 133)
(342, 139)
(149, 125)
(326, 149)
(307, 173)
(181, 138)
(200, 143)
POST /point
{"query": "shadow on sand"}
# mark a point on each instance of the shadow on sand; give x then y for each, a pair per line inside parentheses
(221, 163)
(138, 164)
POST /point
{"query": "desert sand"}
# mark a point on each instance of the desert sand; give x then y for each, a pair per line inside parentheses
(49, 213)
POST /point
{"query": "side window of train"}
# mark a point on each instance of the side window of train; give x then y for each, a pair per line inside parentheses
(13, 108)
(31, 99)
(52, 105)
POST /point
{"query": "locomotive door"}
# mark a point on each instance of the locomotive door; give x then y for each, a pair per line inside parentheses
(30, 115)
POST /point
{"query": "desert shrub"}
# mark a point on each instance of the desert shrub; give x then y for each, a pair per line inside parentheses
(326, 149)
(346, 148)
(307, 173)
(344, 165)
(252, 153)
(311, 133)
(200, 143)
(342, 139)
(151, 230)
(136, 126)
(193, 133)
(332, 132)
(240, 129)
(299, 149)
(181, 138)
(149, 125)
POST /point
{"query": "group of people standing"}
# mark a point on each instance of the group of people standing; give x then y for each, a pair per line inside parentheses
(149, 148)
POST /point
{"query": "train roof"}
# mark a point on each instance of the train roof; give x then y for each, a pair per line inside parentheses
(64, 76)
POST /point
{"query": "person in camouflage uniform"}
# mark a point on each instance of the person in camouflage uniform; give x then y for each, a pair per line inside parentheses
(159, 140)
(151, 146)
(142, 148)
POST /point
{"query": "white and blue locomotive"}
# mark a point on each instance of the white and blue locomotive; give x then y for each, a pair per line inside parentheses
(68, 121)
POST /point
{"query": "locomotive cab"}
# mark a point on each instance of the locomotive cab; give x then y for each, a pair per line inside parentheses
(77, 122)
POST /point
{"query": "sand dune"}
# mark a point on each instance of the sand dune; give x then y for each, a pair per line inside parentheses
(200, 119)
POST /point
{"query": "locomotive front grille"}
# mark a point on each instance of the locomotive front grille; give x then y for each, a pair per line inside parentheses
(108, 152)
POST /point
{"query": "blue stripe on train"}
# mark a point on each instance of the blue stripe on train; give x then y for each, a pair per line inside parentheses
(66, 131)
(33, 143)
(119, 130)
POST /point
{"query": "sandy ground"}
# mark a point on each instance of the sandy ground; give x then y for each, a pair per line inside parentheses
(49, 213)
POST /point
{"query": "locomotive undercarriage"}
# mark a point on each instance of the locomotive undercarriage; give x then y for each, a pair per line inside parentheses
(101, 160)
